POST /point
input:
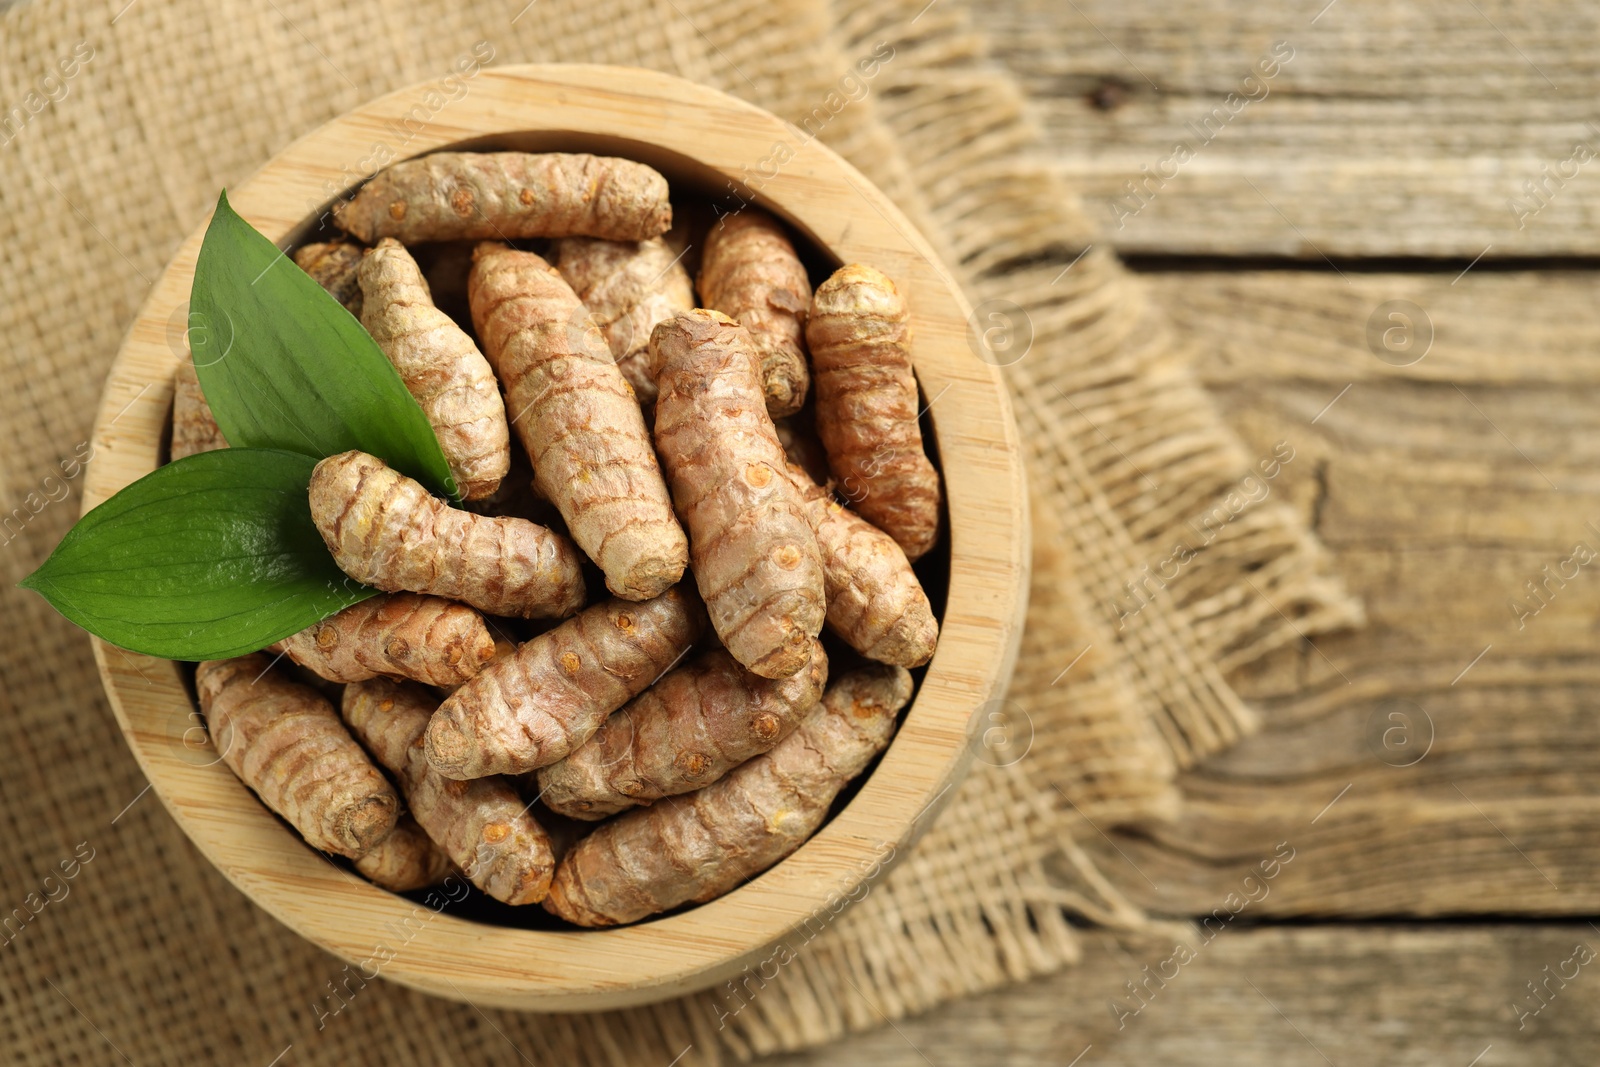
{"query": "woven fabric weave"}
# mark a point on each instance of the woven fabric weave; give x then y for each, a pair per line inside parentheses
(149, 951)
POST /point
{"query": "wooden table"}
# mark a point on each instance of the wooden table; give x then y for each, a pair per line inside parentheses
(1433, 775)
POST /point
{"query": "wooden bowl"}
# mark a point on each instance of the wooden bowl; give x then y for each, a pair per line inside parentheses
(702, 137)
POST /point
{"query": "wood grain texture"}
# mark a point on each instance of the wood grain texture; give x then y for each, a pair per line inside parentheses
(696, 136)
(1407, 996)
(1395, 129)
(1443, 488)
(1523, 329)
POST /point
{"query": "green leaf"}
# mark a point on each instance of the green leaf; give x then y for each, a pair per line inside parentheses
(209, 557)
(284, 365)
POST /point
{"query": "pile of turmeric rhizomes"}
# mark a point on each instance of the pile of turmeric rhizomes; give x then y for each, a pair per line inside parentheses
(659, 746)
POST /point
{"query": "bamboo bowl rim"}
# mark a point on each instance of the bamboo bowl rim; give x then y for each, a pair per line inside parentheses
(646, 114)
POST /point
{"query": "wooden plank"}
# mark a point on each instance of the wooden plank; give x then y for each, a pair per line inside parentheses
(1444, 488)
(1392, 130)
(1522, 328)
(1279, 996)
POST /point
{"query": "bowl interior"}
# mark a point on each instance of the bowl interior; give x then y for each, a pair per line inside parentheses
(699, 196)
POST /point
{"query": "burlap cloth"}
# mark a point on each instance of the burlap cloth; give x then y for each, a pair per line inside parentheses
(147, 951)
